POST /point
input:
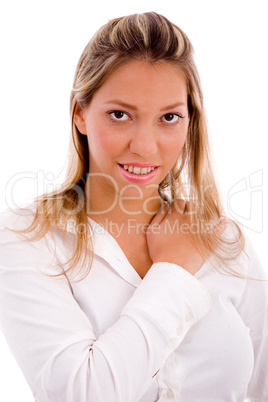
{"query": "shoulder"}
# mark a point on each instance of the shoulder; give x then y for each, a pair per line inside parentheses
(255, 268)
(16, 219)
(17, 249)
(22, 249)
(246, 262)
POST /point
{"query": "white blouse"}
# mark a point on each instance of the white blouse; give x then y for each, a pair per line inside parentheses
(114, 337)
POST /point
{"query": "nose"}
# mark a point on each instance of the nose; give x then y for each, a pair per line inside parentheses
(144, 141)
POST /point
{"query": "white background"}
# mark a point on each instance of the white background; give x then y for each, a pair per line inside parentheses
(40, 46)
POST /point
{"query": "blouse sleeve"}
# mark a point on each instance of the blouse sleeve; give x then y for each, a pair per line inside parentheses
(54, 342)
(253, 308)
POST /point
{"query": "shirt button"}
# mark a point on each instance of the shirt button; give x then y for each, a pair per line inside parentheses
(170, 394)
(179, 331)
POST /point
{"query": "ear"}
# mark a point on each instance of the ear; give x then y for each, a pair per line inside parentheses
(79, 119)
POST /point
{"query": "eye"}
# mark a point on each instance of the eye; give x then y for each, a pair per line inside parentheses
(118, 115)
(171, 118)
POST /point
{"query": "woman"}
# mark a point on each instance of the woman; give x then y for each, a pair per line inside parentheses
(130, 286)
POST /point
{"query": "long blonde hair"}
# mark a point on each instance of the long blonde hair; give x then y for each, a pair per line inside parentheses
(153, 38)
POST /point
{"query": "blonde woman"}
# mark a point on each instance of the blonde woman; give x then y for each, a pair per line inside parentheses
(127, 283)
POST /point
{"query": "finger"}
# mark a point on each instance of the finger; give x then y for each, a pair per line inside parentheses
(190, 208)
(179, 205)
(187, 208)
(161, 214)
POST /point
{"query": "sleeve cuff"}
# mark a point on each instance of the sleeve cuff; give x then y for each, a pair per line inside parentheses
(171, 298)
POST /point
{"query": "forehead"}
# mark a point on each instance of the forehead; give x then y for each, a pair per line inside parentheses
(141, 81)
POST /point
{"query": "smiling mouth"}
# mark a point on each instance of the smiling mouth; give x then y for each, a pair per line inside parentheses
(137, 169)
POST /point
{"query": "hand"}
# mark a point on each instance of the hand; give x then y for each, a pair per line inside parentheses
(170, 237)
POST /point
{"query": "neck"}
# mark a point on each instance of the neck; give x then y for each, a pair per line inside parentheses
(126, 216)
(131, 207)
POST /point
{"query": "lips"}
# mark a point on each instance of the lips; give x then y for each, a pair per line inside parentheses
(137, 169)
(138, 173)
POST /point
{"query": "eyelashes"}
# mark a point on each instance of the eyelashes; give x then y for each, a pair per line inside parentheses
(118, 115)
(168, 118)
(172, 118)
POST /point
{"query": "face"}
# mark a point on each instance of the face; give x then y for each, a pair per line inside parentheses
(136, 124)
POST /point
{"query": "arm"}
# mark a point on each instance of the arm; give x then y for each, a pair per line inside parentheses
(54, 342)
(253, 309)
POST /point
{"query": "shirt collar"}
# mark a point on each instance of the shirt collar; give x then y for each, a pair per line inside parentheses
(106, 247)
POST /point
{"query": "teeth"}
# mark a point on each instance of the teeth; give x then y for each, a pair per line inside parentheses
(137, 169)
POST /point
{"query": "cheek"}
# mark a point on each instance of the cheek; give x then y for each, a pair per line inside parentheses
(102, 142)
(173, 149)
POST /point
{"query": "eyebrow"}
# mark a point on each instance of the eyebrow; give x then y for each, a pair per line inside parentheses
(127, 105)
